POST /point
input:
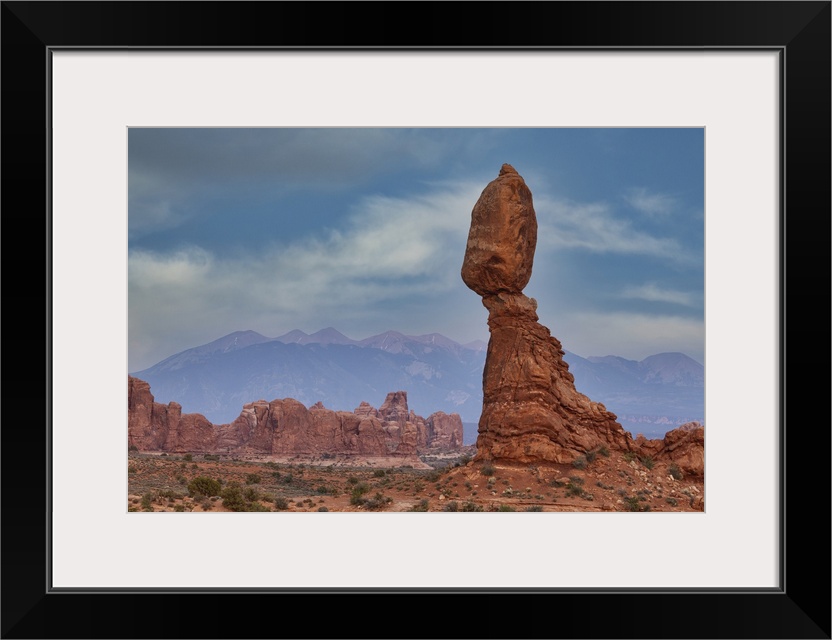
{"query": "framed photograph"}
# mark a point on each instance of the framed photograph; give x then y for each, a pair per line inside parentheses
(753, 77)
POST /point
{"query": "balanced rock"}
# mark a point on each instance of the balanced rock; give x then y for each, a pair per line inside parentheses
(531, 409)
(502, 238)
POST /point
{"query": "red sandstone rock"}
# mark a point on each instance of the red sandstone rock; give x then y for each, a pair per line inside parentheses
(531, 409)
(502, 237)
(288, 427)
(683, 446)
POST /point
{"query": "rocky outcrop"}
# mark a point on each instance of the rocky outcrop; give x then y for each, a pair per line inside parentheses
(153, 426)
(531, 409)
(288, 427)
(683, 446)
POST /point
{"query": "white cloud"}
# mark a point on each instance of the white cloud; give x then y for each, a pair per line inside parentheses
(651, 292)
(595, 227)
(392, 252)
(651, 204)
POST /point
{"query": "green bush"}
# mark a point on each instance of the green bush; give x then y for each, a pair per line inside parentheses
(379, 473)
(672, 501)
(536, 507)
(322, 509)
(452, 506)
(179, 508)
(422, 506)
(253, 478)
(233, 498)
(471, 506)
(506, 507)
(676, 472)
(188, 457)
(133, 448)
(632, 504)
(357, 496)
(648, 462)
(132, 468)
(487, 469)
(281, 504)
(147, 501)
(604, 451)
(204, 486)
(213, 458)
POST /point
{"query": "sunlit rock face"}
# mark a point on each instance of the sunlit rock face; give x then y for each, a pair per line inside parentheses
(531, 409)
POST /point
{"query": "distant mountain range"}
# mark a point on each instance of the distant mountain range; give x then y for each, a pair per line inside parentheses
(215, 379)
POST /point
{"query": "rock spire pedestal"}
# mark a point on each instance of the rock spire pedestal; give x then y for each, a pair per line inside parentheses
(531, 410)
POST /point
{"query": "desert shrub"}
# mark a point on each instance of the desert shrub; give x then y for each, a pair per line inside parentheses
(487, 469)
(322, 509)
(536, 507)
(590, 455)
(578, 480)
(573, 490)
(470, 506)
(170, 494)
(281, 504)
(352, 480)
(179, 508)
(213, 458)
(379, 473)
(452, 506)
(672, 501)
(604, 451)
(676, 472)
(188, 457)
(357, 495)
(233, 498)
(465, 459)
(632, 504)
(422, 506)
(132, 468)
(204, 486)
(433, 476)
(147, 501)
(133, 448)
(253, 478)
(324, 490)
(629, 456)
(256, 506)
(163, 455)
(251, 494)
(377, 502)
(580, 462)
(648, 462)
(506, 507)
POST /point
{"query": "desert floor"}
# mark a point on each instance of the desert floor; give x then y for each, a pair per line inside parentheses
(608, 481)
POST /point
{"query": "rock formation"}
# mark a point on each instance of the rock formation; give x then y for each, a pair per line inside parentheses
(288, 427)
(683, 446)
(531, 409)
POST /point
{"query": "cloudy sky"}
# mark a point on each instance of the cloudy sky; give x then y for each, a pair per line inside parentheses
(365, 230)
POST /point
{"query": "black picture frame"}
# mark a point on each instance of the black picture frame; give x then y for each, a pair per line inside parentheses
(800, 608)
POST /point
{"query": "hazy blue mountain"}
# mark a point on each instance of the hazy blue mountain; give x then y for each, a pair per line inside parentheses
(651, 396)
